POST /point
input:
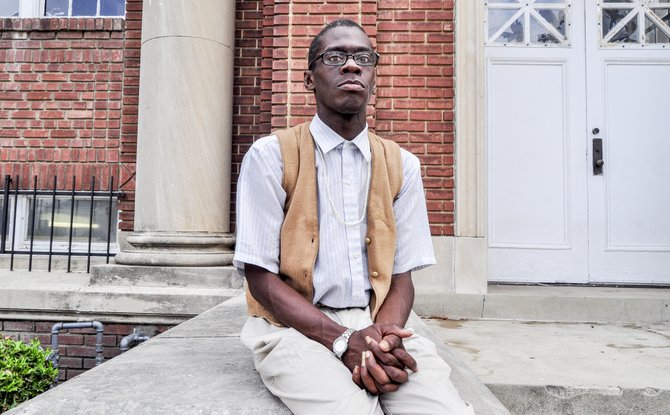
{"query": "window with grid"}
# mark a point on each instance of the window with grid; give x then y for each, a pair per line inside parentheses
(527, 23)
(53, 219)
(641, 23)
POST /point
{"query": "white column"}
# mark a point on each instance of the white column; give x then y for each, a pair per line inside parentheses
(184, 135)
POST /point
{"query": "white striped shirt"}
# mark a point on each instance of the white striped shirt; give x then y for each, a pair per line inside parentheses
(340, 276)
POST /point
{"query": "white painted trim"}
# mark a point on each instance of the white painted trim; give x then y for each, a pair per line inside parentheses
(461, 267)
(30, 8)
(470, 119)
(467, 272)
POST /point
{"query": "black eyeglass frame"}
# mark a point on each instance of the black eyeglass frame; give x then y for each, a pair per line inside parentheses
(346, 58)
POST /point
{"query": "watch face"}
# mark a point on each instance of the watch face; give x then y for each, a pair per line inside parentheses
(340, 346)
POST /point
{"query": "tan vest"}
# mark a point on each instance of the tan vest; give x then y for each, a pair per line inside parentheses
(299, 243)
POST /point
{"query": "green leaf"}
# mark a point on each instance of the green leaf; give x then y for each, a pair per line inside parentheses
(24, 371)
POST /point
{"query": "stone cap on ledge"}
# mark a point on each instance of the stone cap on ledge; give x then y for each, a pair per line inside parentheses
(201, 367)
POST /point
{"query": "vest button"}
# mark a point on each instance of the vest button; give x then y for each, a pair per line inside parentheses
(368, 240)
(374, 274)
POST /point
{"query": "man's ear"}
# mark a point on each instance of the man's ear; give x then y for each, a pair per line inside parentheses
(308, 81)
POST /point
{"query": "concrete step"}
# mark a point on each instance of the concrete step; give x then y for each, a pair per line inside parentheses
(70, 296)
(566, 368)
(157, 276)
(551, 303)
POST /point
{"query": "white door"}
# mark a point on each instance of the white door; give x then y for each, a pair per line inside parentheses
(628, 84)
(555, 83)
(537, 194)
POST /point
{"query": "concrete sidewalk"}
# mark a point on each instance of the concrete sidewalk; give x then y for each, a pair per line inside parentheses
(566, 368)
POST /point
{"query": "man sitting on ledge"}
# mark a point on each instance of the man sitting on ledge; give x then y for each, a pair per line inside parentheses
(331, 221)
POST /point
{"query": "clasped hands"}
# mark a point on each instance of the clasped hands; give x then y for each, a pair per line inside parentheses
(377, 358)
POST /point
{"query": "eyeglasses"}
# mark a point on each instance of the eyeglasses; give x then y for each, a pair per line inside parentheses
(339, 58)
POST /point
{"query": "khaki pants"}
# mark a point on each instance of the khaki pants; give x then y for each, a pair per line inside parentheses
(310, 380)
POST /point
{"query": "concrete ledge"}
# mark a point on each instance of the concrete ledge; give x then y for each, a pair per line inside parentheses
(40, 263)
(201, 367)
(551, 303)
(154, 276)
(69, 296)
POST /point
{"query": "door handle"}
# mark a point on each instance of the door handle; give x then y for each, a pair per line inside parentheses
(598, 161)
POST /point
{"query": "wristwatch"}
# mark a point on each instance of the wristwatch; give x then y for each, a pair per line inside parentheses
(341, 344)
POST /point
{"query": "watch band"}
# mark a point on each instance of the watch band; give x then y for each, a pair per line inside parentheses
(347, 333)
(343, 342)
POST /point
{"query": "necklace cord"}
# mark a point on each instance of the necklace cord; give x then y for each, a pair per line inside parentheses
(330, 199)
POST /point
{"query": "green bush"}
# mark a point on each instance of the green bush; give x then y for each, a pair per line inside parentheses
(24, 372)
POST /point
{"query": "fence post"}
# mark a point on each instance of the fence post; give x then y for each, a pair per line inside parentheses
(5, 212)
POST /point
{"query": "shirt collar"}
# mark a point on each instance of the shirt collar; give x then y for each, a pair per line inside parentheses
(327, 139)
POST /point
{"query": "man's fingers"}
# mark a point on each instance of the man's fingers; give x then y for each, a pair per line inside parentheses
(387, 329)
(405, 358)
(390, 342)
(383, 357)
(395, 374)
(356, 377)
(391, 387)
(366, 378)
(375, 370)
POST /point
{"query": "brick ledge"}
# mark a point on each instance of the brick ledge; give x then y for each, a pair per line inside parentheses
(19, 24)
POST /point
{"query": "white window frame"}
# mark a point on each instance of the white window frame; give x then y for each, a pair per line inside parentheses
(525, 10)
(35, 8)
(22, 239)
(30, 8)
(639, 10)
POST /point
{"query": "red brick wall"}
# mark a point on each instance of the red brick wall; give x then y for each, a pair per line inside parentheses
(129, 104)
(250, 121)
(76, 346)
(414, 100)
(69, 89)
(415, 94)
(68, 101)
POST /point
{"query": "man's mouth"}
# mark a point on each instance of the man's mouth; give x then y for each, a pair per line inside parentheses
(351, 85)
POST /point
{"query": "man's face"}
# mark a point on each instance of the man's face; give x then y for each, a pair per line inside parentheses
(346, 89)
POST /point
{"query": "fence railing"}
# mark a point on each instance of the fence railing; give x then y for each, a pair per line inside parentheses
(75, 234)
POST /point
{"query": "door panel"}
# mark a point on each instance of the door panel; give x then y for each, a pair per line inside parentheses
(629, 205)
(637, 192)
(537, 228)
(529, 198)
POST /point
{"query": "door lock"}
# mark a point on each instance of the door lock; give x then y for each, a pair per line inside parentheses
(598, 161)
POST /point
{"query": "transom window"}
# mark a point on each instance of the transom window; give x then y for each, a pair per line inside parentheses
(527, 22)
(62, 8)
(637, 23)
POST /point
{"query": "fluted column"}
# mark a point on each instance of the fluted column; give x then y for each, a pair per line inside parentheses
(184, 135)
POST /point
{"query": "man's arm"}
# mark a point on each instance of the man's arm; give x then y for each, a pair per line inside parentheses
(399, 301)
(293, 310)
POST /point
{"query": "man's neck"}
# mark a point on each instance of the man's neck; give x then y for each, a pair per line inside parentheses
(347, 126)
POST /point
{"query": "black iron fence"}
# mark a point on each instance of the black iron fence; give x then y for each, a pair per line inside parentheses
(72, 223)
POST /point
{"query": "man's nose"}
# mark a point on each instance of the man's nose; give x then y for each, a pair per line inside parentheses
(350, 65)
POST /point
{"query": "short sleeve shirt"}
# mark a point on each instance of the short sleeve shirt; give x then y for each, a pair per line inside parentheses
(340, 276)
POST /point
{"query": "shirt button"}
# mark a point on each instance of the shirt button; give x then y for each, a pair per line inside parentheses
(356, 256)
(368, 240)
(374, 274)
